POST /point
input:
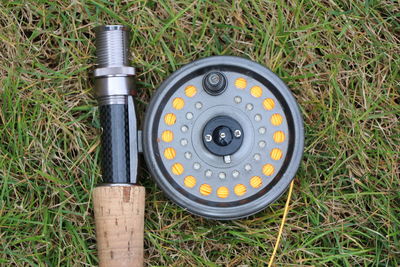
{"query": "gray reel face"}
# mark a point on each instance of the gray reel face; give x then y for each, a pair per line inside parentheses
(223, 137)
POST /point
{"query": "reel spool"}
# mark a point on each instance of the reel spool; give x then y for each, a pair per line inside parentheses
(223, 137)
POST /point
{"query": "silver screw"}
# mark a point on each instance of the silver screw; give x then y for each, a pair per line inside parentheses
(235, 174)
(237, 133)
(198, 105)
(222, 135)
(222, 175)
(262, 130)
(247, 167)
(184, 128)
(208, 138)
(196, 166)
(214, 79)
(189, 115)
(257, 157)
(184, 142)
(261, 144)
(227, 159)
(208, 173)
(188, 155)
(238, 99)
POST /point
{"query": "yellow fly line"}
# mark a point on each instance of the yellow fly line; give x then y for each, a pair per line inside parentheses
(285, 212)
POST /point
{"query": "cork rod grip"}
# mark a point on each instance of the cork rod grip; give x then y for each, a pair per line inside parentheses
(119, 216)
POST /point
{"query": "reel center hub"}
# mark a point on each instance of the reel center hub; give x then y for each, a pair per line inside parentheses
(222, 136)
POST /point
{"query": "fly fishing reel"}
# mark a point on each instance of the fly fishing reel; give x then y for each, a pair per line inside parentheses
(223, 137)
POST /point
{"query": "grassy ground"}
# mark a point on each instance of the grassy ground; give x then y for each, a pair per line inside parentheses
(340, 59)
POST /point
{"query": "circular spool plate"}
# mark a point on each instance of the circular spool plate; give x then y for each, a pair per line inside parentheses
(252, 177)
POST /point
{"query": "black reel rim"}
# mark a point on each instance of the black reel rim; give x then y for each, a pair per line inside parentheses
(152, 155)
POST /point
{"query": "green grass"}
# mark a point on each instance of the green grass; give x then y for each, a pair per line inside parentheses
(340, 59)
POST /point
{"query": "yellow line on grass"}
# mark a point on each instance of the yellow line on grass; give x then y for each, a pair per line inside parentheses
(285, 212)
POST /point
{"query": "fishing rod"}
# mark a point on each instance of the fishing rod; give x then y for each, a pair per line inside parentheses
(119, 200)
